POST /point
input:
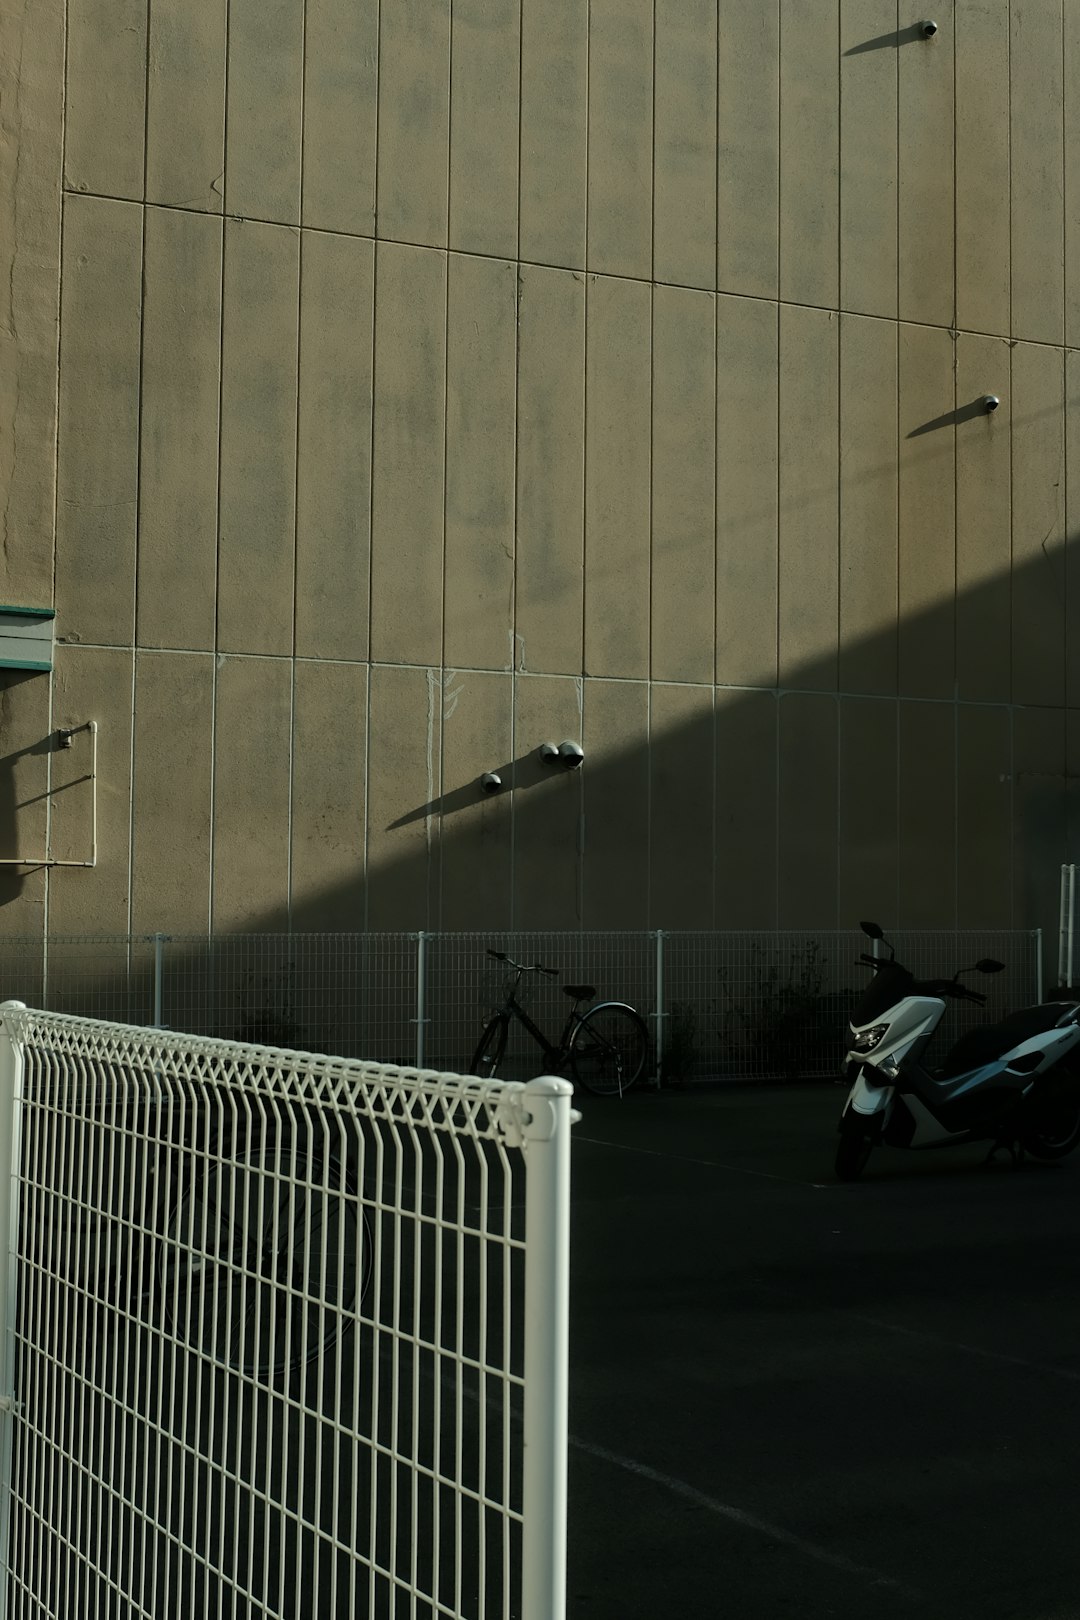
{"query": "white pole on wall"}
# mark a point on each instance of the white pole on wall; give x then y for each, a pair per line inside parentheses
(11, 1076)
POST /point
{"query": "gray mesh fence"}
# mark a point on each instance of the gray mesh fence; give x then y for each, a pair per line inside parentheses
(720, 1005)
(775, 1005)
(464, 984)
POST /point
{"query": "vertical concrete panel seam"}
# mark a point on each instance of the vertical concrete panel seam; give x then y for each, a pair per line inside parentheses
(649, 910)
(139, 411)
(1064, 214)
(211, 876)
(839, 230)
(838, 787)
(146, 112)
(375, 153)
(588, 132)
(716, 443)
(1066, 570)
(1012, 505)
(652, 471)
(1012, 319)
(839, 502)
(521, 139)
(296, 486)
(47, 884)
(955, 199)
(131, 798)
(514, 648)
(449, 128)
(376, 276)
(956, 474)
(779, 489)
(652, 187)
(716, 188)
(138, 494)
(436, 887)
(899, 256)
(779, 212)
(587, 282)
(366, 829)
(714, 303)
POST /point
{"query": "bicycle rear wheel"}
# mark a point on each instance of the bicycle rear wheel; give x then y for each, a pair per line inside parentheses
(489, 1053)
(265, 1259)
(609, 1049)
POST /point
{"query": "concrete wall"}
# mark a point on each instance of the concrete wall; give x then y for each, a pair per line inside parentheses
(388, 391)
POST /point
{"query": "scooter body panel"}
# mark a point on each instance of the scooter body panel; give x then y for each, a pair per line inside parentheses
(914, 1107)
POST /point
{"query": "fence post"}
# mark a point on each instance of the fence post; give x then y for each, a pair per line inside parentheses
(159, 980)
(1066, 925)
(11, 1065)
(421, 995)
(547, 1345)
(659, 1015)
(1040, 983)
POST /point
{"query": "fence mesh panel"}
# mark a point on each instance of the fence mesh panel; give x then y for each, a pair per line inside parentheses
(727, 1006)
(775, 1005)
(268, 1333)
(464, 985)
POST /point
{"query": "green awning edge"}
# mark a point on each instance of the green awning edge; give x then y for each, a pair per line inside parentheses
(28, 612)
(23, 663)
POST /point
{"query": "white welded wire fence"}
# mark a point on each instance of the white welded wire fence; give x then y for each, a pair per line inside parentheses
(721, 1005)
(284, 1335)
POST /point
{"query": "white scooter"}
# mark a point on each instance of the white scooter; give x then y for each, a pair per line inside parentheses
(1015, 1084)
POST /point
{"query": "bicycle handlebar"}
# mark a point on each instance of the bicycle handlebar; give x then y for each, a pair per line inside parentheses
(524, 967)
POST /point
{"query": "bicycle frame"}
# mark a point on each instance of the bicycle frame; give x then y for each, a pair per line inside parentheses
(557, 1055)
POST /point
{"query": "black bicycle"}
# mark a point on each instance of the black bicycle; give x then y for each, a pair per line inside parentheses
(604, 1047)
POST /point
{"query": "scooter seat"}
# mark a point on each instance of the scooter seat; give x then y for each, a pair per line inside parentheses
(992, 1041)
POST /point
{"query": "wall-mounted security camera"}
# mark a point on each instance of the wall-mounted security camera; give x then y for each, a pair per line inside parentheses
(929, 29)
(491, 782)
(990, 402)
(571, 756)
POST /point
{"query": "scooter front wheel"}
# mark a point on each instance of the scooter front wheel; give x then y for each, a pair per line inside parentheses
(856, 1145)
(1056, 1134)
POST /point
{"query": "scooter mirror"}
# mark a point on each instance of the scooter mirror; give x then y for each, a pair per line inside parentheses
(871, 930)
(988, 965)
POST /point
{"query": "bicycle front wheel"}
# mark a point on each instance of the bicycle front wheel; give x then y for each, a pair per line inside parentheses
(265, 1260)
(488, 1054)
(609, 1049)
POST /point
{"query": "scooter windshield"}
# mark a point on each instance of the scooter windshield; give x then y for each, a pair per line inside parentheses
(890, 984)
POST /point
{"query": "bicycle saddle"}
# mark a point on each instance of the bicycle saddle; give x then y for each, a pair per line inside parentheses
(580, 992)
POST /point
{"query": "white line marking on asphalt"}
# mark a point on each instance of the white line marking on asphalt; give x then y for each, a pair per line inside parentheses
(723, 1510)
(748, 1521)
(713, 1164)
(968, 1349)
(942, 1339)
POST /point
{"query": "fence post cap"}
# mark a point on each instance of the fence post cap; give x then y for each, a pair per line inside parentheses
(548, 1085)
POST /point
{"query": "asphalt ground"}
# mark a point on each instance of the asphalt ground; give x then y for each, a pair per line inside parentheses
(796, 1397)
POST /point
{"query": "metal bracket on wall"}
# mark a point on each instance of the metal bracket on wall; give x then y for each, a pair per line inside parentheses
(65, 737)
